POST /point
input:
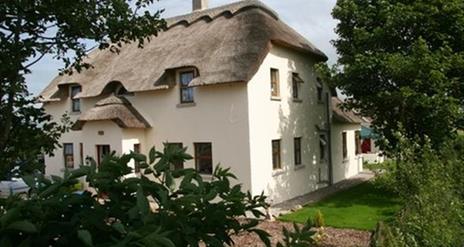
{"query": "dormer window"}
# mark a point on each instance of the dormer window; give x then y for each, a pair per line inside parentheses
(75, 102)
(186, 92)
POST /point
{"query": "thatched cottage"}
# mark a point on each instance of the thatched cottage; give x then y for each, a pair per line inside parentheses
(233, 84)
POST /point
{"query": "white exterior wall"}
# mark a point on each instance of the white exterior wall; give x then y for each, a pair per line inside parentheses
(353, 164)
(284, 119)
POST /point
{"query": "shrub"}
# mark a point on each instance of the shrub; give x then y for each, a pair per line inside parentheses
(319, 219)
(159, 208)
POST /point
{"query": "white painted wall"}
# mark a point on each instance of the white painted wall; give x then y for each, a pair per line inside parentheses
(353, 164)
(284, 119)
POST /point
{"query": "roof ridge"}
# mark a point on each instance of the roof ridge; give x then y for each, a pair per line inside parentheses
(213, 13)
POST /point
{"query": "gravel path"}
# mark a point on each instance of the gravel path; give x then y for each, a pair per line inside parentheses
(333, 237)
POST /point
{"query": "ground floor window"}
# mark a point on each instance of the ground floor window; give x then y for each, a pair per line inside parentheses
(344, 145)
(297, 150)
(136, 163)
(102, 151)
(68, 152)
(203, 158)
(176, 165)
(276, 159)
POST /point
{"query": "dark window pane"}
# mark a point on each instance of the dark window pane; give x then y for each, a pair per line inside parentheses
(186, 93)
(275, 82)
(136, 163)
(204, 158)
(322, 147)
(345, 148)
(297, 150)
(68, 151)
(276, 162)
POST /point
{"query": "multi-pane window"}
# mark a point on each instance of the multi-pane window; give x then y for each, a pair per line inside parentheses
(297, 150)
(276, 159)
(296, 81)
(68, 152)
(203, 158)
(75, 102)
(186, 92)
(275, 91)
(344, 144)
(178, 164)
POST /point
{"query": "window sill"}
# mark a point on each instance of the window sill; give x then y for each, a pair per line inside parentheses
(276, 98)
(299, 167)
(182, 105)
(277, 172)
(206, 177)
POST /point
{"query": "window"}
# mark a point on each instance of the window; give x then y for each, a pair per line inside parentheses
(296, 81)
(102, 151)
(357, 141)
(276, 161)
(322, 148)
(203, 158)
(186, 92)
(81, 153)
(68, 152)
(136, 163)
(75, 102)
(344, 144)
(320, 91)
(176, 165)
(297, 150)
(275, 92)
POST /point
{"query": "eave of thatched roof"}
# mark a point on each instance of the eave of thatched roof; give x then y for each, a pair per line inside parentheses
(116, 109)
(343, 116)
(225, 45)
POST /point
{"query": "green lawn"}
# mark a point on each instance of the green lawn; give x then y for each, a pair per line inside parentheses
(360, 207)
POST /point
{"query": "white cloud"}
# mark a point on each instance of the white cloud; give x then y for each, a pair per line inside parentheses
(311, 18)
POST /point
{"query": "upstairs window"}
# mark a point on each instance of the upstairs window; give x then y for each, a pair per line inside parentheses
(68, 153)
(186, 92)
(276, 158)
(75, 102)
(275, 91)
(204, 158)
(296, 81)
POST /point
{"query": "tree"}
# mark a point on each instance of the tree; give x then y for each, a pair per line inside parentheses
(63, 29)
(402, 63)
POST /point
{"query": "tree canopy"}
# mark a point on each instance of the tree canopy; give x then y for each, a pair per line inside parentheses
(29, 30)
(401, 62)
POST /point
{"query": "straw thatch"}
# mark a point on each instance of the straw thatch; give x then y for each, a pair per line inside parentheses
(343, 116)
(114, 108)
(225, 44)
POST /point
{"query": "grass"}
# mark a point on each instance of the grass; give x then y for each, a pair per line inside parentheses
(359, 207)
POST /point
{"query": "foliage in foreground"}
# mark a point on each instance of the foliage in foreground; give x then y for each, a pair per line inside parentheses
(159, 208)
(430, 184)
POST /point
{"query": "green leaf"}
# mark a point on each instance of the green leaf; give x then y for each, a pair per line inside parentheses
(119, 227)
(85, 237)
(152, 155)
(263, 235)
(142, 203)
(23, 226)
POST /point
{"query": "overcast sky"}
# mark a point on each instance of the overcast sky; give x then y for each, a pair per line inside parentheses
(311, 18)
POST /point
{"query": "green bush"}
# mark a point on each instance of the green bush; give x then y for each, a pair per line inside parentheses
(159, 208)
(319, 219)
(430, 184)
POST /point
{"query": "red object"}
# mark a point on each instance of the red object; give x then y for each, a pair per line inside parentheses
(366, 146)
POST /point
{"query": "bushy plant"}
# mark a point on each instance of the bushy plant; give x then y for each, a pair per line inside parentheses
(319, 219)
(300, 236)
(160, 208)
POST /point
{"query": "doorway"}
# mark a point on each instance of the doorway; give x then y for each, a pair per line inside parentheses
(102, 151)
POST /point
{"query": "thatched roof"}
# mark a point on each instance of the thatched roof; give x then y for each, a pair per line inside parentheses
(225, 44)
(114, 108)
(342, 116)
